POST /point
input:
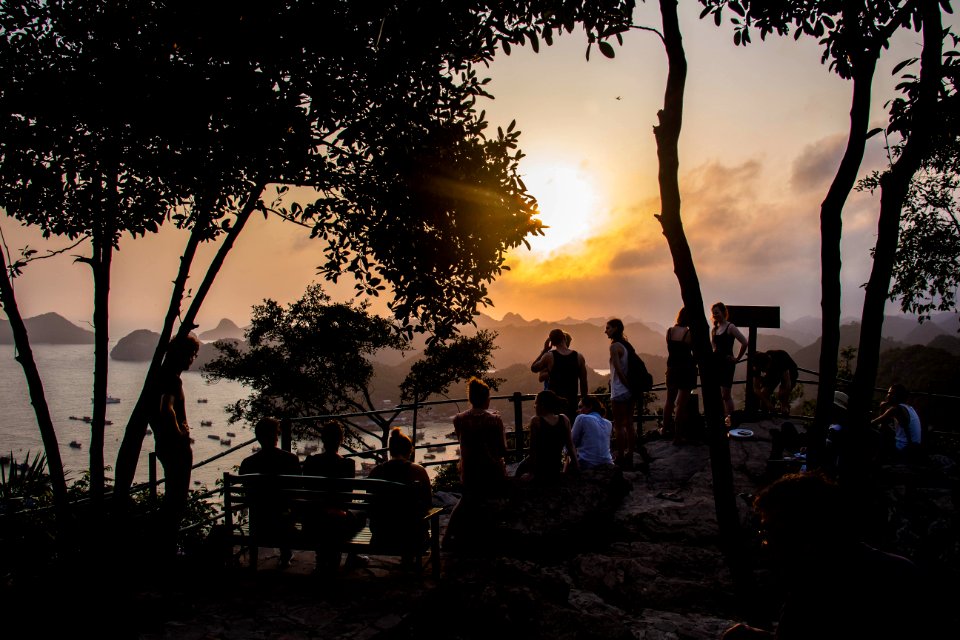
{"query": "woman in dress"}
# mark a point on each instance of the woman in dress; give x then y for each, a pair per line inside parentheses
(723, 335)
(681, 377)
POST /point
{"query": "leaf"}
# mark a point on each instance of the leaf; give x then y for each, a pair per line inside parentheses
(535, 42)
(506, 47)
(873, 132)
(736, 38)
(902, 64)
(736, 8)
(606, 49)
(718, 17)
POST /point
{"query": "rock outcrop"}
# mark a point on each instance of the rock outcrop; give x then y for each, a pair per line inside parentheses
(48, 328)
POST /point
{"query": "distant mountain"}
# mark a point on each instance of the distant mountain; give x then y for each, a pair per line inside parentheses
(948, 343)
(809, 356)
(136, 346)
(227, 329)
(49, 328)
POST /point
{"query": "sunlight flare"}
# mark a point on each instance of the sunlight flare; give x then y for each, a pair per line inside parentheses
(569, 205)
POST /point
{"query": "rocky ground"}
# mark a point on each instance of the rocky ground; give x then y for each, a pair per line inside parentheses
(603, 556)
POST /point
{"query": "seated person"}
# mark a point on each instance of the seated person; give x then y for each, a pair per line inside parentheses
(395, 520)
(266, 516)
(774, 370)
(907, 431)
(591, 435)
(336, 523)
(838, 586)
(329, 462)
(549, 437)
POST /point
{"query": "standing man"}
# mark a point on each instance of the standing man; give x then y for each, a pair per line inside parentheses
(171, 434)
(620, 396)
(567, 371)
(591, 435)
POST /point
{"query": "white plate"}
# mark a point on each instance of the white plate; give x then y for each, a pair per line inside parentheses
(741, 433)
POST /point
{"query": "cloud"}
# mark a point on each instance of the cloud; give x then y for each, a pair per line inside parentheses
(817, 164)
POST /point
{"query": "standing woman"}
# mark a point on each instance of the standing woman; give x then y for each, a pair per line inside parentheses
(681, 377)
(722, 336)
(620, 396)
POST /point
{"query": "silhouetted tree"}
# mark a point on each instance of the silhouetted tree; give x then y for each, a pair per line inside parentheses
(926, 114)
(853, 34)
(667, 135)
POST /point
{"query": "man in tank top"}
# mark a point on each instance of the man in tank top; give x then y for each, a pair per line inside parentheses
(567, 369)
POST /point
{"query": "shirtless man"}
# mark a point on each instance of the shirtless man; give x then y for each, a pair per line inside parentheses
(171, 434)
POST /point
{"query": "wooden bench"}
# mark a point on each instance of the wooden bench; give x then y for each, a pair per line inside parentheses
(302, 496)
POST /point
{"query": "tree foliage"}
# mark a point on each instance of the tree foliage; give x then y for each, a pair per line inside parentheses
(313, 358)
(120, 117)
(308, 359)
(926, 269)
(443, 364)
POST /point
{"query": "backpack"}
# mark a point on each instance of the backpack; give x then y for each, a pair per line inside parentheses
(639, 379)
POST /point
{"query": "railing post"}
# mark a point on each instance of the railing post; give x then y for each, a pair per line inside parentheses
(517, 401)
(152, 474)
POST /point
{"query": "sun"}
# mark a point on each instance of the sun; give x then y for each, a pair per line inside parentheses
(568, 203)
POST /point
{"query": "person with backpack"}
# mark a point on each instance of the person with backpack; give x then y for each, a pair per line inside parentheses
(625, 388)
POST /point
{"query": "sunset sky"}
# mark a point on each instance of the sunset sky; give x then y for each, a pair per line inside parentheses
(764, 128)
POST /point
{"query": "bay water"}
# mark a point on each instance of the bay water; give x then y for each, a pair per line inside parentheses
(67, 374)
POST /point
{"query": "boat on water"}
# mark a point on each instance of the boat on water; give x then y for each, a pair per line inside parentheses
(87, 419)
(226, 441)
(231, 434)
(206, 423)
(75, 444)
(213, 436)
(202, 400)
(428, 456)
(113, 400)
(76, 418)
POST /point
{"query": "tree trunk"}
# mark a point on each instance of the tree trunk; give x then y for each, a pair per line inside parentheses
(831, 211)
(667, 134)
(101, 261)
(48, 434)
(894, 187)
(136, 430)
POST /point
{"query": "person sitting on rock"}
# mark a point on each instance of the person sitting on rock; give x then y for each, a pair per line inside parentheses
(907, 431)
(591, 435)
(839, 588)
(549, 437)
(774, 370)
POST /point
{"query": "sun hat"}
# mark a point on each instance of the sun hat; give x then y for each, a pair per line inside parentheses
(840, 399)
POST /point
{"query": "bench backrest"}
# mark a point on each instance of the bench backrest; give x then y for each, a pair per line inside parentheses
(357, 494)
